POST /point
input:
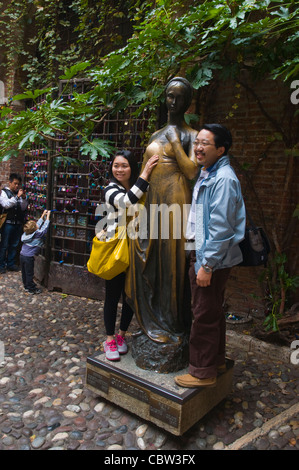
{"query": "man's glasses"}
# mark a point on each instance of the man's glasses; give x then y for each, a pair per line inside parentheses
(201, 143)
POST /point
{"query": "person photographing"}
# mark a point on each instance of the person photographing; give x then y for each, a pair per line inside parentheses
(14, 204)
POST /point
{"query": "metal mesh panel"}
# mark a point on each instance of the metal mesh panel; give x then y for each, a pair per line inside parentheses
(77, 189)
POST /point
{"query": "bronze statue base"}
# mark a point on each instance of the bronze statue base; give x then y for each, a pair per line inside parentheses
(160, 357)
(152, 396)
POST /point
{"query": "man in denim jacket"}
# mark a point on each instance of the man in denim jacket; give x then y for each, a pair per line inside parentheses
(216, 224)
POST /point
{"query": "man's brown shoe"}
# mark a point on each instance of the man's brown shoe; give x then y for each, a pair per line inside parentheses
(189, 381)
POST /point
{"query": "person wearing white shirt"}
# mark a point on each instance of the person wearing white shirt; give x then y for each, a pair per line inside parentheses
(14, 203)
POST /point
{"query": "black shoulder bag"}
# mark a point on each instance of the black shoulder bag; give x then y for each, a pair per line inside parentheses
(255, 247)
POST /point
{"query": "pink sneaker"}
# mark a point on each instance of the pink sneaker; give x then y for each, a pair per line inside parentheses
(111, 351)
(121, 344)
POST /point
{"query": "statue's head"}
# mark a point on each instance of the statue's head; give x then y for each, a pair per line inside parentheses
(186, 87)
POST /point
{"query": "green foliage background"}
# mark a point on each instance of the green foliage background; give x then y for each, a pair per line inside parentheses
(202, 40)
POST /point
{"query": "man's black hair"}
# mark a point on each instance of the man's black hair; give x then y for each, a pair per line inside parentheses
(222, 135)
(15, 176)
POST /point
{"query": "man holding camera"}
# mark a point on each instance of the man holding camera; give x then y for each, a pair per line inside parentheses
(14, 203)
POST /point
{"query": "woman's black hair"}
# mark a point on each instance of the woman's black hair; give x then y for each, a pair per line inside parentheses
(132, 162)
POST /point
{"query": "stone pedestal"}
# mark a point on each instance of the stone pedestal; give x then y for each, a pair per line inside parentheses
(153, 396)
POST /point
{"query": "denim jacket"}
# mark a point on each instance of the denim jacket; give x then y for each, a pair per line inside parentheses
(220, 218)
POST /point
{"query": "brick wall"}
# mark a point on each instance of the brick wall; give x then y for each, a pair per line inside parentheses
(14, 165)
(4, 173)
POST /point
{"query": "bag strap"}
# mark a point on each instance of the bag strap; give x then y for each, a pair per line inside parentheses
(8, 192)
(251, 223)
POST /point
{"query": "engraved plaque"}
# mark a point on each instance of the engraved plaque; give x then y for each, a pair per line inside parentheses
(129, 388)
(98, 381)
(164, 412)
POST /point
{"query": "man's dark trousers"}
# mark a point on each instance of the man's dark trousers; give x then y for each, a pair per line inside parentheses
(207, 337)
(11, 235)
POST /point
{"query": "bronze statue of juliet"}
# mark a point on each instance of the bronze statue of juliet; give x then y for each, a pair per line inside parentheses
(157, 284)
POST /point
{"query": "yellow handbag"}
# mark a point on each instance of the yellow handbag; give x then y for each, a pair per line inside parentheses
(109, 258)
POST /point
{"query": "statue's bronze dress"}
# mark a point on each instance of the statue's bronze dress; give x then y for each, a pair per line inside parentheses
(157, 278)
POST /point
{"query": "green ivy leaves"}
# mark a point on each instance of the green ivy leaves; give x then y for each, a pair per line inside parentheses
(204, 39)
(97, 147)
(74, 70)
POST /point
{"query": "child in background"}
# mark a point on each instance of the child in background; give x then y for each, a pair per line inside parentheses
(33, 240)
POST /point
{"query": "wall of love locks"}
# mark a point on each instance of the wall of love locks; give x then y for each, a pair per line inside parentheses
(76, 190)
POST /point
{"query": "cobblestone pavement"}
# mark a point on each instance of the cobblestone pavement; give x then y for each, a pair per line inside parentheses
(44, 403)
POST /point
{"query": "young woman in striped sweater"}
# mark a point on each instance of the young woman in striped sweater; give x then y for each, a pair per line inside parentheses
(125, 189)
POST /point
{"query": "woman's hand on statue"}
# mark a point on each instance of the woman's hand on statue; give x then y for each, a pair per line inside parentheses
(149, 166)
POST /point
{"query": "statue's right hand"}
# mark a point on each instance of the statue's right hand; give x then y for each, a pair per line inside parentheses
(172, 134)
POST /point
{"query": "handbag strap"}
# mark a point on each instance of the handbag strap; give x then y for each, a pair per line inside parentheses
(251, 223)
